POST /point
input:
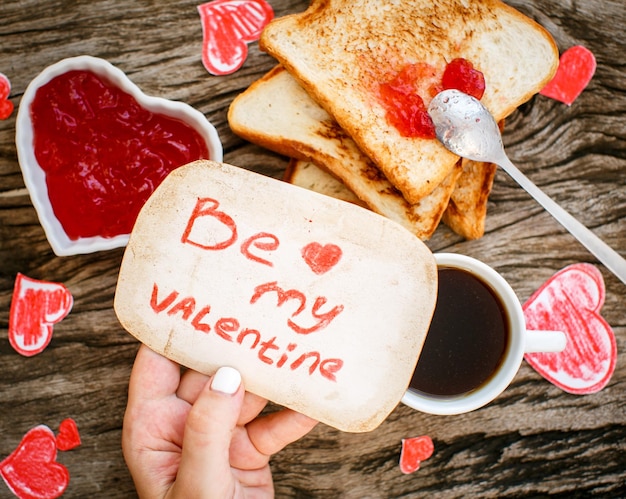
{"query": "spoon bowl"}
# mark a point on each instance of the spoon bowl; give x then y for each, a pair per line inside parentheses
(465, 127)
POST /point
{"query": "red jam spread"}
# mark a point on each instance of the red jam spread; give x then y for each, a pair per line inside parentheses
(461, 75)
(405, 107)
(103, 153)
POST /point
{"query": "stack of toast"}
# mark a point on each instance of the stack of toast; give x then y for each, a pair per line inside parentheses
(320, 105)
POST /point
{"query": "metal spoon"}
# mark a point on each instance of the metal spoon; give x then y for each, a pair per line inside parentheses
(466, 128)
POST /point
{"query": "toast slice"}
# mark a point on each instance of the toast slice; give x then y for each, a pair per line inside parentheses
(342, 51)
(467, 210)
(425, 216)
(310, 176)
(277, 113)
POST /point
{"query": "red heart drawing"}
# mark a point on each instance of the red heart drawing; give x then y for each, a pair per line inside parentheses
(68, 437)
(35, 308)
(414, 451)
(321, 258)
(227, 28)
(6, 106)
(577, 66)
(31, 471)
(570, 301)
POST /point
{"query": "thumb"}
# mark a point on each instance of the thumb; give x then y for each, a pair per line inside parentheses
(205, 465)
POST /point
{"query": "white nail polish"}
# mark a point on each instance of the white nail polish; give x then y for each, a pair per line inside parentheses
(226, 380)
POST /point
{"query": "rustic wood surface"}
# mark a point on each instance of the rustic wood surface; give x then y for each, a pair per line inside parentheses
(534, 440)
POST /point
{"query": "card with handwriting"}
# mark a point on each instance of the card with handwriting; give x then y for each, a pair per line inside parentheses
(322, 306)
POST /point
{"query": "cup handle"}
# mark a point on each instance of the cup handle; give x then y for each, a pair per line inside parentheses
(545, 341)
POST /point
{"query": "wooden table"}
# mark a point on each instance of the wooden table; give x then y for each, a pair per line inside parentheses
(534, 440)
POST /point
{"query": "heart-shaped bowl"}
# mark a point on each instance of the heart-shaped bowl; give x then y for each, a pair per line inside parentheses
(35, 176)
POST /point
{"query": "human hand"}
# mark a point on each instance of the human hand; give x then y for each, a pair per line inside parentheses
(194, 436)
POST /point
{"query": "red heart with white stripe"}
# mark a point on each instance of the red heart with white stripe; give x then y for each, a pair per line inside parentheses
(31, 470)
(228, 26)
(35, 308)
(570, 301)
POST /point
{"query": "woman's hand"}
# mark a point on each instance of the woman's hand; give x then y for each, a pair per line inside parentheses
(194, 436)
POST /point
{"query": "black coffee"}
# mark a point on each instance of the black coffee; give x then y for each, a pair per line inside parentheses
(467, 339)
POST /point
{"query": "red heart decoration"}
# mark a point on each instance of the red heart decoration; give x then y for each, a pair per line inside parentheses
(68, 437)
(35, 308)
(570, 301)
(414, 451)
(31, 471)
(228, 26)
(577, 66)
(321, 258)
(6, 106)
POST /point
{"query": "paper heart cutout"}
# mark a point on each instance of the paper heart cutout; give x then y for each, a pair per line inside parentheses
(36, 307)
(227, 28)
(123, 158)
(414, 451)
(31, 470)
(570, 301)
(577, 66)
(6, 106)
(321, 258)
(68, 437)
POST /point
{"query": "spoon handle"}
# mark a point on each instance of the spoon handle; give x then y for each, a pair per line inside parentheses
(602, 251)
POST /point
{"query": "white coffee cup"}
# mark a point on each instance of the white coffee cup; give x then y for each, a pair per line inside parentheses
(520, 341)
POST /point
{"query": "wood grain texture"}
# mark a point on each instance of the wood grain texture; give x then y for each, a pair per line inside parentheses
(533, 441)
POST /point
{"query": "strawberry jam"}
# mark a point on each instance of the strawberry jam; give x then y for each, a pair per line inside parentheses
(403, 96)
(103, 153)
(405, 108)
(461, 75)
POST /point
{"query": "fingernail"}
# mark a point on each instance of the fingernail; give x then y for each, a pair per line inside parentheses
(226, 380)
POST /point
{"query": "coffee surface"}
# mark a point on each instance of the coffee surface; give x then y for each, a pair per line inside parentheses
(467, 338)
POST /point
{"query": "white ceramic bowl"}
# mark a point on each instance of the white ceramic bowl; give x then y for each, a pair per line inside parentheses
(34, 176)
